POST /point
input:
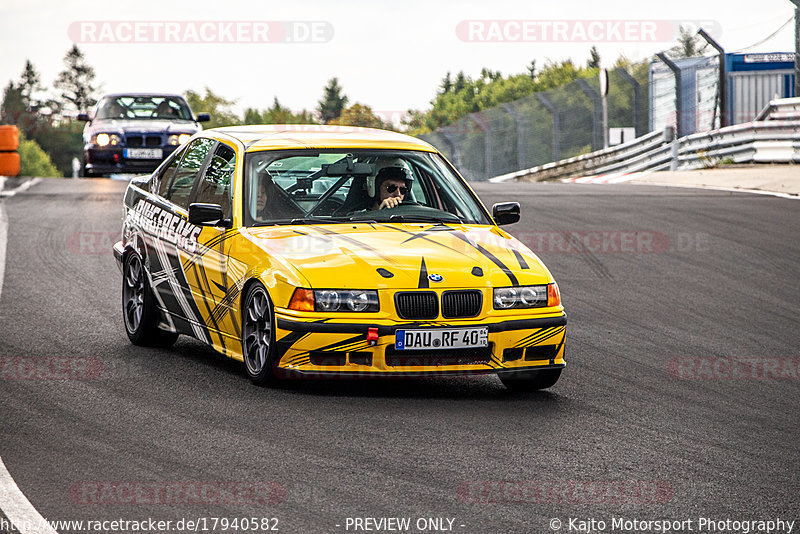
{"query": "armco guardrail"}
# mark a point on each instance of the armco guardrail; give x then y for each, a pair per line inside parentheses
(781, 109)
(9, 157)
(773, 139)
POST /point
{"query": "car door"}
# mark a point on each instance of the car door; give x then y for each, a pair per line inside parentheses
(206, 267)
(176, 238)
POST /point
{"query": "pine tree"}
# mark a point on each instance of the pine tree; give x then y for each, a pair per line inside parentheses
(76, 81)
(447, 84)
(688, 45)
(532, 69)
(13, 104)
(594, 59)
(29, 84)
(332, 103)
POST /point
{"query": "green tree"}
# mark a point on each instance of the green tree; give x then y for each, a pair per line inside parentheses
(33, 161)
(75, 82)
(594, 59)
(532, 69)
(13, 104)
(689, 45)
(332, 103)
(218, 107)
(277, 114)
(30, 84)
(360, 115)
(62, 142)
(447, 84)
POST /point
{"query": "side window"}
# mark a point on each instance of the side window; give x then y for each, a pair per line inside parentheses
(181, 184)
(161, 184)
(215, 187)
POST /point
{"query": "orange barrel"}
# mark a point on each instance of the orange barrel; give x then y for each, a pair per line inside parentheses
(9, 163)
(9, 138)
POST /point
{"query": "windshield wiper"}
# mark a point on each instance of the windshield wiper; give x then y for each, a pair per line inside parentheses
(314, 220)
(424, 218)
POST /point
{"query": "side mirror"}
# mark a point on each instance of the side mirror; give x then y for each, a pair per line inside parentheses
(83, 117)
(203, 117)
(207, 215)
(505, 213)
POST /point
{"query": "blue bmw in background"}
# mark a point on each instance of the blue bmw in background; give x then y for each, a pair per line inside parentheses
(134, 132)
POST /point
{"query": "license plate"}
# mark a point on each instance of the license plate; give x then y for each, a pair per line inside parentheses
(143, 153)
(441, 338)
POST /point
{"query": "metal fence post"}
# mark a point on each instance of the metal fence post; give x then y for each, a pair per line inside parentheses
(636, 99)
(520, 134)
(676, 71)
(483, 124)
(556, 155)
(597, 115)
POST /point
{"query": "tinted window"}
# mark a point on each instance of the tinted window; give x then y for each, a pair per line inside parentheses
(215, 187)
(342, 186)
(183, 181)
(143, 107)
(162, 180)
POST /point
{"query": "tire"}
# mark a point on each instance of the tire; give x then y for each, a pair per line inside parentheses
(138, 307)
(258, 336)
(530, 380)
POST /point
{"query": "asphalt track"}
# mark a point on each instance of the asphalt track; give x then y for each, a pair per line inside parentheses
(660, 414)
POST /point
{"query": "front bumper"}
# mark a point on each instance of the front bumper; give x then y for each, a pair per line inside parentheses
(113, 161)
(119, 251)
(326, 348)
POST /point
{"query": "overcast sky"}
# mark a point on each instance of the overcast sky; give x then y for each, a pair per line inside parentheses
(388, 55)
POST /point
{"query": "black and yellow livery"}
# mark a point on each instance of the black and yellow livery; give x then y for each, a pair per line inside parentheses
(269, 244)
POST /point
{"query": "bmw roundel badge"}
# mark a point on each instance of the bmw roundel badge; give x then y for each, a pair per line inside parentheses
(435, 277)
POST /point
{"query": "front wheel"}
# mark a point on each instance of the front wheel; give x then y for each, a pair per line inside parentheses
(258, 335)
(138, 308)
(530, 380)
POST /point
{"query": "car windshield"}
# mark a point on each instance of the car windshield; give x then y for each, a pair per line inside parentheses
(143, 107)
(317, 186)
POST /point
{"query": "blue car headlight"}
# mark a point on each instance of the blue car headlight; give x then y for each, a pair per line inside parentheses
(106, 139)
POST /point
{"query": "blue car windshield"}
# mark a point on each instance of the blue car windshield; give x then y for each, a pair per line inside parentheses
(143, 107)
(338, 186)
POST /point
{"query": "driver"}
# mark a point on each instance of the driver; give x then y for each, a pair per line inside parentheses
(165, 111)
(392, 184)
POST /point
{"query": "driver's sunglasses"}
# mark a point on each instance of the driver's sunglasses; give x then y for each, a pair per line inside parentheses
(391, 188)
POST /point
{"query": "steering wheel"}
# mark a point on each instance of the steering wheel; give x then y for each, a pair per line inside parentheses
(327, 207)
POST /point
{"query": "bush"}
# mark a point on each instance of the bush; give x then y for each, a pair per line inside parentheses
(62, 143)
(33, 161)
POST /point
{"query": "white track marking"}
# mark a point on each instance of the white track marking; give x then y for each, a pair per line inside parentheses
(720, 188)
(24, 187)
(12, 501)
(3, 239)
(17, 508)
(613, 178)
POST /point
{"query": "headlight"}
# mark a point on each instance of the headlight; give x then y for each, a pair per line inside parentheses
(178, 139)
(104, 139)
(506, 298)
(345, 300)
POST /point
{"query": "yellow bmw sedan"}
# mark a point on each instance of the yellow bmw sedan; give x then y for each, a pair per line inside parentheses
(334, 251)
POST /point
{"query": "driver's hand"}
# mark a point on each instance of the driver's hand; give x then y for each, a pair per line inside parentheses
(390, 202)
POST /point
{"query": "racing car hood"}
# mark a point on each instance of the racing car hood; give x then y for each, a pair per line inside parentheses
(402, 256)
